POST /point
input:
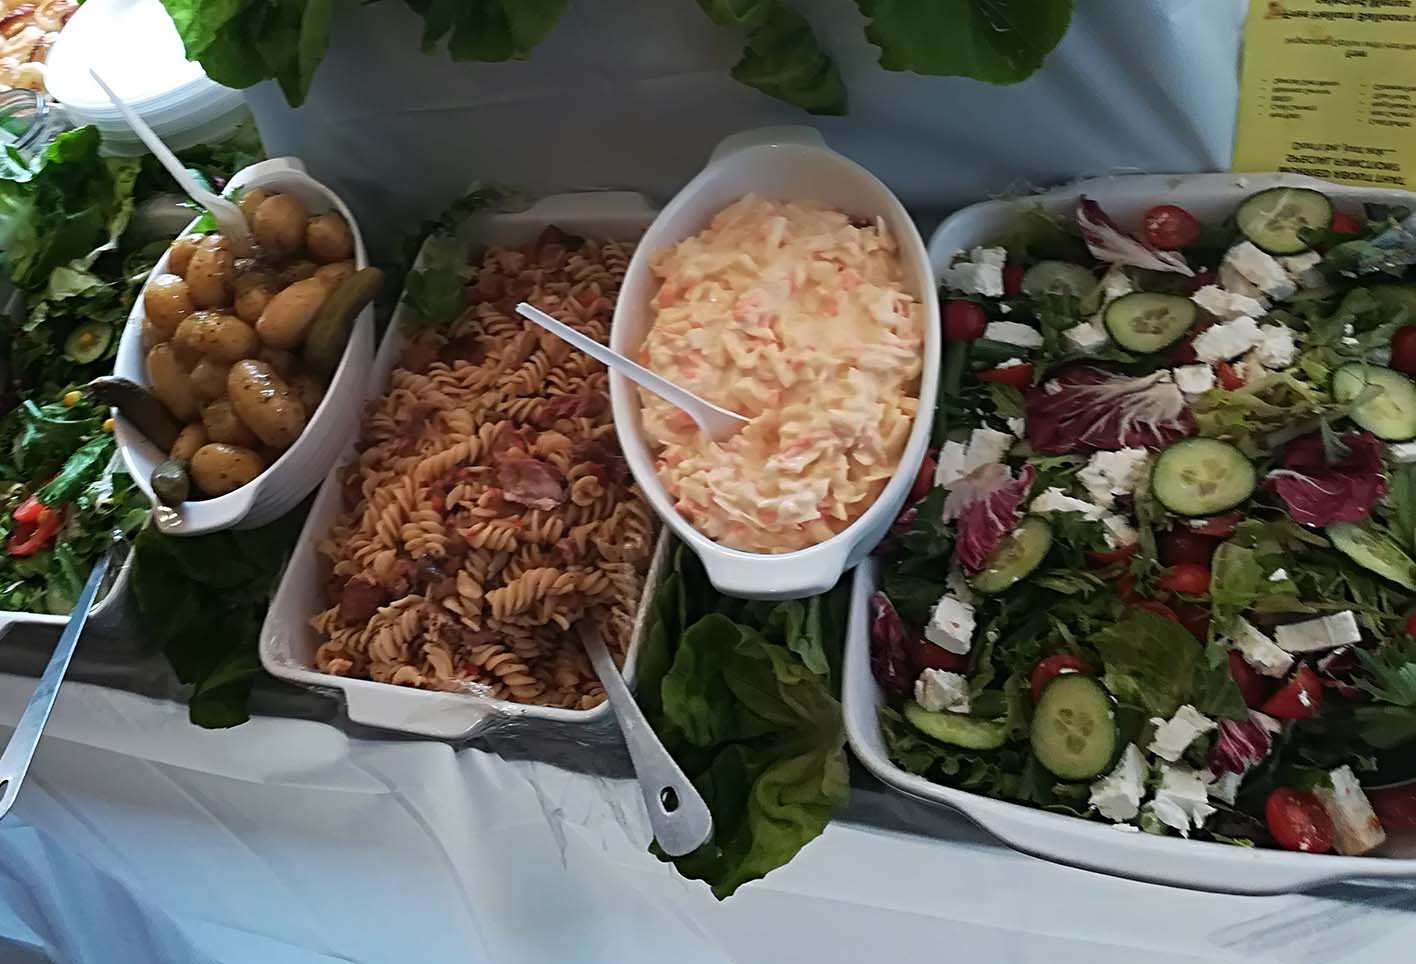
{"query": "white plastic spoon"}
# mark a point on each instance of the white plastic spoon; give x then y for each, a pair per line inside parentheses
(229, 219)
(719, 424)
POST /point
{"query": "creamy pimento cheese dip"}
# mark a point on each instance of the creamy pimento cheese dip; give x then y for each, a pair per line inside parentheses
(794, 316)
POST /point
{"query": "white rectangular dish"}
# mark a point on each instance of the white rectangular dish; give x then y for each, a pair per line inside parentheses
(287, 644)
(1065, 839)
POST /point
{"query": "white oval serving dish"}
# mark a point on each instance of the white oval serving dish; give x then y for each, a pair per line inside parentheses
(782, 163)
(300, 468)
(1070, 840)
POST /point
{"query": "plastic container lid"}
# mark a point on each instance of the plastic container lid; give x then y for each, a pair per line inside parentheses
(135, 47)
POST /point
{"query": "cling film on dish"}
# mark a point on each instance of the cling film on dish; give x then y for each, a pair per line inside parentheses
(1328, 89)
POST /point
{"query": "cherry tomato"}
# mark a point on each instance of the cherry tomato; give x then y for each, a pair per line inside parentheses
(924, 481)
(28, 510)
(1203, 279)
(1019, 376)
(1169, 227)
(925, 655)
(1395, 806)
(1403, 349)
(1298, 821)
(1050, 667)
(1300, 698)
(1230, 376)
(1101, 558)
(1182, 545)
(1253, 686)
(1345, 223)
(1187, 577)
(31, 536)
(1411, 625)
(1220, 526)
(1013, 278)
(964, 320)
(1183, 352)
(1126, 587)
(1195, 618)
(1157, 607)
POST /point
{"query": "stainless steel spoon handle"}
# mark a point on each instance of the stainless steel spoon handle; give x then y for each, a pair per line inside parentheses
(19, 752)
(679, 817)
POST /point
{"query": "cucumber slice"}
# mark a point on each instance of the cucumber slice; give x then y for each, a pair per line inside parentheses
(1148, 321)
(1020, 552)
(1390, 412)
(1374, 550)
(1272, 219)
(88, 342)
(1074, 732)
(956, 729)
(1058, 278)
(1202, 476)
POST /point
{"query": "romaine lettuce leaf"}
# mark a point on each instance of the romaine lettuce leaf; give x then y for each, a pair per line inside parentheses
(782, 57)
(998, 41)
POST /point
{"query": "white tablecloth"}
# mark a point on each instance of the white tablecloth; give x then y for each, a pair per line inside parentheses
(140, 838)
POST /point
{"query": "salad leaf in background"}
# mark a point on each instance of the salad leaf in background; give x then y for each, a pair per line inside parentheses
(487, 30)
(436, 292)
(1401, 502)
(998, 41)
(782, 57)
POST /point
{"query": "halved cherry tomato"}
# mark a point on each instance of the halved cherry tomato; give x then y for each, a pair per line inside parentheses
(1411, 625)
(28, 510)
(30, 537)
(1345, 223)
(1019, 376)
(924, 479)
(925, 655)
(1254, 687)
(1229, 375)
(1300, 698)
(1403, 349)
(1395, 806)
(1203, 279)
(964, 320)
(1013, 278)
(1050, 667)
(1105, 557)
(1298, 821)
(1187, 577)
(1169, 227)
(1181, 545)
(1195, 618)
(1157, 607)
(1220, 526)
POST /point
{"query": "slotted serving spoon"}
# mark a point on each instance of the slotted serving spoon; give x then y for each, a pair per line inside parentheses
(719, 424)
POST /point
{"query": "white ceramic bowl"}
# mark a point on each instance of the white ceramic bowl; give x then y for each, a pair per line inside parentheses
(1070, 840)
(783, 163)
(300, 468)
(288, 643)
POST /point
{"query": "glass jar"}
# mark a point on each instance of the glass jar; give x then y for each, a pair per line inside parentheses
(28, 122)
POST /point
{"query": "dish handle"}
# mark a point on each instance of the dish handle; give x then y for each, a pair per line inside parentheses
(758, 136)
(194, 518)
(753, 576)
(271, 165)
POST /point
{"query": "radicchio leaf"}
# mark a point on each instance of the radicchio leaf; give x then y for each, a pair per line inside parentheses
(988, 502)
(1086, 408)
(1335, 669)
(889, 652)
(1317, 492)
(1241, 744)
(1107, 242)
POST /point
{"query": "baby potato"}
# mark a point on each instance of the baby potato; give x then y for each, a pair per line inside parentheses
(310, 390)
(295, 271)
(218, 468)
(152, 335)
(223, 425)
(333, 275)
(166, 301)
(218, 336)
(179, 255)
(288, 316)
(210, 273)
(171, 382)
(279, 224)
(284, 362)
(265, 402)
(328, 238)
(209, 379)
(251, 301)
(190, 439)
(251, 198)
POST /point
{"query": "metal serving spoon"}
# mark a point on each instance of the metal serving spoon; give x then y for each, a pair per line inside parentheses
(719, 424)
(677, 813)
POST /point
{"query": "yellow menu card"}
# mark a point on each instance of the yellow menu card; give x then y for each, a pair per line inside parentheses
(1329, 89)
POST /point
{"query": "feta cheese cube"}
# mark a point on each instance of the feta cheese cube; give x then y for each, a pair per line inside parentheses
(950, 468)
(957, 459)
(940, 691)
(1403, 452)
(958, 585)
(1086, 336)
(993, 257)
(1227, 305)
(1225, 787)
(1232, 280)
(1011, 363)
(1174, 736)
(1194, 379)
(1303, 268)
(1226, 341)
(1355, 827)
(951, 625)
(982, 274)
(1261, 269)
(1117, 796)
(1052, 387)
(1314, 635)
(1116, 283)
(1276, 347)
(1055, 500)
(1119, 531)
(1014, 333)
(1258, 650)
(1181, 801)
(1018, 426)
(1278, 575)
(1109, 474)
